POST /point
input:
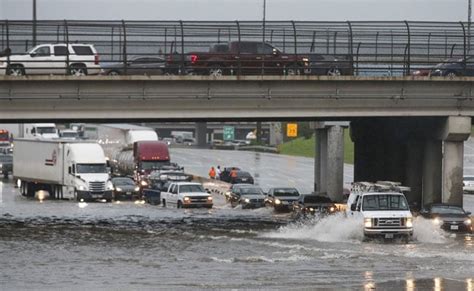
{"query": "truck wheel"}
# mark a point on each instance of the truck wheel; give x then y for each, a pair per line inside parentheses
(77, 70)
(216, 71)
(334, 72)
(15, 70)
(293, 70)
(179, 204)
(164, 203)
(5, 175)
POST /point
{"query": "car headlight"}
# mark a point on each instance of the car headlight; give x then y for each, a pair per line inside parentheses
(277, 201)
(311, 209)
(137, 188)
(1, 166)
(82, 188)
(227, 193)
(118, 189)
(467, 222)
(409, 222)
(246, 200)
(143, 183)
(332, 209)
(437, 221)
(209, 198)
(186, 199)
(368, 222)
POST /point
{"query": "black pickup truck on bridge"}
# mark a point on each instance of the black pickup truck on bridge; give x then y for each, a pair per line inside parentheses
(255, 58)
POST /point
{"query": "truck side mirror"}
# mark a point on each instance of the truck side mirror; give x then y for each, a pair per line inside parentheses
(353, 207)
(70, 170)
(468, 213)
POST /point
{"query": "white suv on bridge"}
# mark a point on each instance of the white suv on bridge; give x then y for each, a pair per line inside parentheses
(45, 59)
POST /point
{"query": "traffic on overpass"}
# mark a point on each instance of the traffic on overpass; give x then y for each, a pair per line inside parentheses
(294, 48)
(214, 153)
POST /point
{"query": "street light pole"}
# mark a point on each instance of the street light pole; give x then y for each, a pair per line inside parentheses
(34, 22)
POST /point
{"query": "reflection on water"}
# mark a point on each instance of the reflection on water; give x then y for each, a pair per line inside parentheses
(369, 281)
(437, 284)
(468, 241)
(410, 286)
(470, 284)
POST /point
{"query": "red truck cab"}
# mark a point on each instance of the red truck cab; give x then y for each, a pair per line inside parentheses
(149, 156)
(4, 137)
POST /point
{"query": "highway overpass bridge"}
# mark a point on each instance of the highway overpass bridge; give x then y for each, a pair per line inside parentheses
(406, 129)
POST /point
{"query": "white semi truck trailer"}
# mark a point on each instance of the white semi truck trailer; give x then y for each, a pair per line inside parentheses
(66, 169)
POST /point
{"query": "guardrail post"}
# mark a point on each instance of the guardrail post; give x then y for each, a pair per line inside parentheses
(429, 47)
(408, 48)
(313, 39)
(66, 36)
(335, 43)
(7, 28)
(239, 62)
(183, 65)
(464, 47)
(357, 58)
(376, 46)
(112, 43)
(350, 46)
(295, 39)
(124, 49)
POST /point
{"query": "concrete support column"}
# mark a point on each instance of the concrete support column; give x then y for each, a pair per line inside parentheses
(414, 170)
(201, 133)
(453, 172)
(329, 161)
(455, 131)
(335, 162)
(432, 165)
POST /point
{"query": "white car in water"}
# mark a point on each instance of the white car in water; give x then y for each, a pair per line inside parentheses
(468, 185)
(384, 214)
(186, 195)
(74, 59)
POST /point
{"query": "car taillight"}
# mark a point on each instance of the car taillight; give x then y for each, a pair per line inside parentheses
(194, 59)
(96, 59)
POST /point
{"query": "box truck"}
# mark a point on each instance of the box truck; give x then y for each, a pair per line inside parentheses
(66, 169)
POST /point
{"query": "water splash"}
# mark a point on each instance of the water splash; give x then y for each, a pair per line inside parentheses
(334, 228)
(425, 231)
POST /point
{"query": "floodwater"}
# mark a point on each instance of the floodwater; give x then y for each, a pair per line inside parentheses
(121, 246)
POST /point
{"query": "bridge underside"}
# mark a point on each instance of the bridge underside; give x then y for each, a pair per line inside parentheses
(188, 98)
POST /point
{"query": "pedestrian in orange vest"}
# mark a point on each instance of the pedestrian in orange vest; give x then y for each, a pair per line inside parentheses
(212, 173)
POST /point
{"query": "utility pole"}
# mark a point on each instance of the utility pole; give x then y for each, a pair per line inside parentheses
(34, 22)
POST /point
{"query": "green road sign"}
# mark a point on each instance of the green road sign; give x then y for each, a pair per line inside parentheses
(228, 133)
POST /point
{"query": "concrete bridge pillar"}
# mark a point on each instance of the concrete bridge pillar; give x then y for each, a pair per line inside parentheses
(201, 134)
(432, 165)
(329, 159)
(455, 131)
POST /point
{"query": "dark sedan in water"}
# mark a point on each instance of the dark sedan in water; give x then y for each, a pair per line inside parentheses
(249, 197)
(282, 198)
(136, 66)
(310, 205)
(448, 217)
(125, 187)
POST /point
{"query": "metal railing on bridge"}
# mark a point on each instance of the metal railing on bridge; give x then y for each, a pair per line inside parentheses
(238, 47)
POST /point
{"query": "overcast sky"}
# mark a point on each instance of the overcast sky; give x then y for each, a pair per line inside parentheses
(436, 10)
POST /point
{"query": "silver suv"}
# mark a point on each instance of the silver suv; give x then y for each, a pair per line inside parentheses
(46, 59)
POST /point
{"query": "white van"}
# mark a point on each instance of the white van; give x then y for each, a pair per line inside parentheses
(384, 214)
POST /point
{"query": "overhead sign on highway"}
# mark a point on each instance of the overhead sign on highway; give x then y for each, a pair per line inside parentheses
(229, 133)
(292, 130)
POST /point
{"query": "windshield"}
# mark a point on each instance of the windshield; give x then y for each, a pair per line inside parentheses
(251, 191)
(43, 130)
(384, 202)
(286, 192)
(91, 168)
(446, 210)
(4, 136)
(191, 188)
(69, 134)
(123, 181)
(151, 165)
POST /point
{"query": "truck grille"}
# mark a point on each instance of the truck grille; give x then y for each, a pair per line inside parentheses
(97, 186)
(388, 222)
(200, 199)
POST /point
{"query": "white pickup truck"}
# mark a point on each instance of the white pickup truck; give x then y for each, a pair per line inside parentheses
(186, 195)
(384, 214)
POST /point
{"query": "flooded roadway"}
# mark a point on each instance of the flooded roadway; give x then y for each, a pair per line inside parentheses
(63, 244)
